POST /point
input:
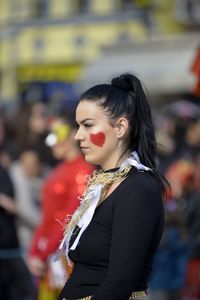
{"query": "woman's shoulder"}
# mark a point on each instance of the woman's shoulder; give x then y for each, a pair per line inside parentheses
(146, 178)
(141, 183)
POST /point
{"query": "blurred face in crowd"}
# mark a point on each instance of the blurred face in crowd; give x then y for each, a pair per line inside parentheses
(38, 118)
(60, 138)
(60, 149)
(30, 163)
(100, 141)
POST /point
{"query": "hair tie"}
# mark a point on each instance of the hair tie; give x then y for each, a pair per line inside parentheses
(123, 82)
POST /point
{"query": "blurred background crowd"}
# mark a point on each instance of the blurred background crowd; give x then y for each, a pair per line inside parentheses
(50, 51)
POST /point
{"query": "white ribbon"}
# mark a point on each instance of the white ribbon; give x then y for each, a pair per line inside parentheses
(87, 216)
(134, 161)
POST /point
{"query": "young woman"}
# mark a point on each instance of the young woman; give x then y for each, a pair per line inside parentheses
(113, 235)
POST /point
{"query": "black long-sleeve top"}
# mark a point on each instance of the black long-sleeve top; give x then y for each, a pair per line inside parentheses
(115, 253)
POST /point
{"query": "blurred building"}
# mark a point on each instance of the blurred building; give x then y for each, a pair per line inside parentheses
(55, 41)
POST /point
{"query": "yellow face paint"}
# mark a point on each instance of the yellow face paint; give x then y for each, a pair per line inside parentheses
(59, 132)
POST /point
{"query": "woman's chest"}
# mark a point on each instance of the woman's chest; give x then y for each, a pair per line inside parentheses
(94, 244)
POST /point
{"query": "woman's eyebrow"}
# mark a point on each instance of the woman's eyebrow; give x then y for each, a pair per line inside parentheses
(84, 120)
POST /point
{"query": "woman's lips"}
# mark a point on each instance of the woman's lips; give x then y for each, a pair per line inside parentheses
(84, 149)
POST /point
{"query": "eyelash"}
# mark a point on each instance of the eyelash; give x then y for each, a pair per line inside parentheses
(88, 125)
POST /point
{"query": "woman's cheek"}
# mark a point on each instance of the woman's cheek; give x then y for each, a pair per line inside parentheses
(98, 139)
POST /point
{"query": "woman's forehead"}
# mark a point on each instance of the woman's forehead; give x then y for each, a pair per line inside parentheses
(88, 109)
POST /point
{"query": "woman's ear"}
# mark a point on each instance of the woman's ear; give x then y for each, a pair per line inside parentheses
(121, 127)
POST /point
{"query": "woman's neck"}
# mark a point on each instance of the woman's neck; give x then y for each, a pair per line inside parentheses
(116, 161)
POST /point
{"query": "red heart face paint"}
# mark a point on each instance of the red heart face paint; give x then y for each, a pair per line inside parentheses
(98, 139)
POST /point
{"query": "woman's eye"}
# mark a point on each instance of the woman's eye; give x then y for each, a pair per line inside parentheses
(88, 125)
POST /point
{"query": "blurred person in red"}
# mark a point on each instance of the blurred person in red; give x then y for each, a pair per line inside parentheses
(59, 197)
(182, 177)
(180, 174)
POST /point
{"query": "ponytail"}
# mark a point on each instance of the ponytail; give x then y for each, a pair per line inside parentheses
(146, 143)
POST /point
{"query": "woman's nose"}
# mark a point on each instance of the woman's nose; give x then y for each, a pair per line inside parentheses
(78, 135)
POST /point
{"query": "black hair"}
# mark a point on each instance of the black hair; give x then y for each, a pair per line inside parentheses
(125, 96)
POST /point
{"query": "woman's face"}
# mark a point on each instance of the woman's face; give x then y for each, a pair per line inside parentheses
(98, 139)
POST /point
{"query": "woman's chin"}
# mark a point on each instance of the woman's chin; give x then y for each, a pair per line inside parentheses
(90, 160)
